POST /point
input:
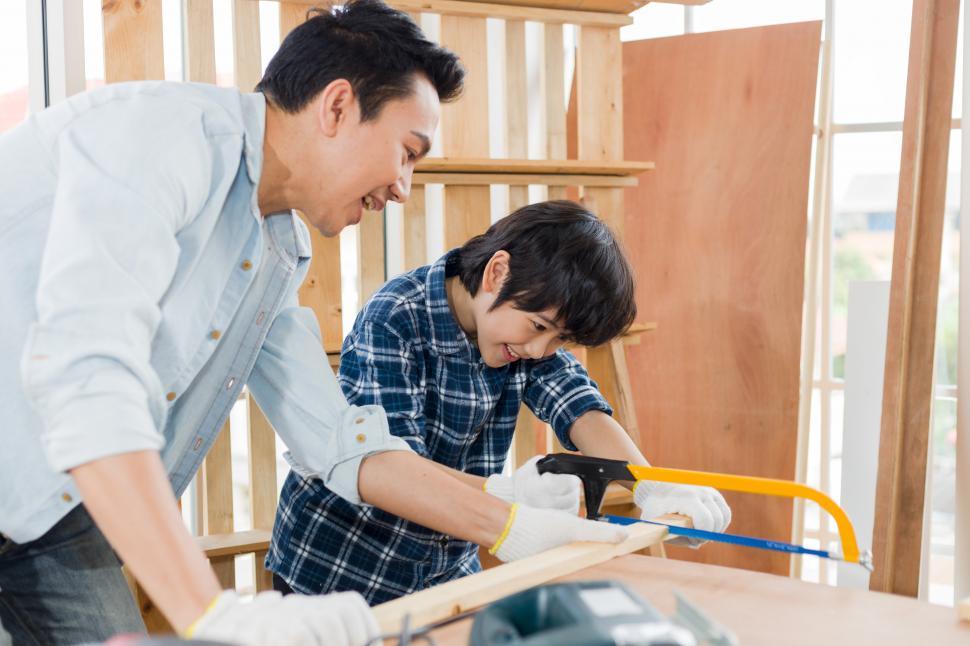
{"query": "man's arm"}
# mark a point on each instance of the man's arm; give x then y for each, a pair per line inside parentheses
(130, 499)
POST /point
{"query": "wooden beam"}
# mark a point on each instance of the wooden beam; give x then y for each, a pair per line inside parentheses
(247, 64)
(605, 165)
(371, 273)
(415, 228)
(516, 106)
(496, 10)
(234, 543)
(200, 51)
(914, 293)
(218, 503)
(555, 100)
(132, 40)
(262, 484)
(516, 179)
(455, 597)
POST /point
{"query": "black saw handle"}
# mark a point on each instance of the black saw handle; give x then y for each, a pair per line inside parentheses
(595, 473)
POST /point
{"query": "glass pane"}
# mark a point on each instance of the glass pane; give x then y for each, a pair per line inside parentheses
(653, 21)
(755, 13)
(865, 184)
(14, 100)
(871, 58)
(946, 323)
(93, 44)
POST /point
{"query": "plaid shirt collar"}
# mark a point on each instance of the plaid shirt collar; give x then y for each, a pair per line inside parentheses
(447, 337)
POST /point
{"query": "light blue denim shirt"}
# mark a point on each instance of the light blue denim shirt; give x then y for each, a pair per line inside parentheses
(143, 289)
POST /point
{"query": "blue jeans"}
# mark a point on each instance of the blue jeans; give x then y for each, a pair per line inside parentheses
(66, 587)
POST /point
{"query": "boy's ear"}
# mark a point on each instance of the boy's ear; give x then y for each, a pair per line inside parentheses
(496, 272)
(334, 105)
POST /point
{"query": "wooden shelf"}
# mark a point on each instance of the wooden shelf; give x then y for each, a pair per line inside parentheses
(532, 167)
(246, 542)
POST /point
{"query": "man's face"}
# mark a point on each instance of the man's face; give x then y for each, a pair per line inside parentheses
(366, 164)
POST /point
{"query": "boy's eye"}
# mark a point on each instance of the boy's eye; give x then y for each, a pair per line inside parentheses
(538, 326)
(412, 155)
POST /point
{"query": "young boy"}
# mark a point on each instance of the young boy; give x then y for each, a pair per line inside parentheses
(450, 351)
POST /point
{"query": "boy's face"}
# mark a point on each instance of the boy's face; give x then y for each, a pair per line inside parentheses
(506, 334)
(357, 165)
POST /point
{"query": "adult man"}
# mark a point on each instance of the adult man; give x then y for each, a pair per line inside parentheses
(153, 263)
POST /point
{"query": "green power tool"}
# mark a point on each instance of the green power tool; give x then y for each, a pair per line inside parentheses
(591, 613)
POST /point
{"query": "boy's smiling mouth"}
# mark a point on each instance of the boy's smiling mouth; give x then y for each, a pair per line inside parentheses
(510, 356)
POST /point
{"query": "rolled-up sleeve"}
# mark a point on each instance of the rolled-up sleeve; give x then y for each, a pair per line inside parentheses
(559, 391)
(297, 390)
(128, 180)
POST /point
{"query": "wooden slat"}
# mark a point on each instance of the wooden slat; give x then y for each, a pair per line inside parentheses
(464, 128)
(516, 105)
(599, 78)
(605, 6)
(132, 40)
(555, 101)
(415, 229)
(218, 503)
(914, 291)
(553, 181)
(453, 163)
(247, 65)
(506, 11)
(454, 597)
(291, 15)
(234, 543)
(607, 366)
(200, 51)
(370, 254)
(262, 484)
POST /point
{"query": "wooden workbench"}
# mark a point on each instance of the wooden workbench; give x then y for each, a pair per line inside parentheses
(767, 609)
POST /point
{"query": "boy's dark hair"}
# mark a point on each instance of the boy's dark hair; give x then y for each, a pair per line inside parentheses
(562, 257)
(379, 50)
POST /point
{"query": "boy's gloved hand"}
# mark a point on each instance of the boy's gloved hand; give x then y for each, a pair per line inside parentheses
(705, 506)
(530, 531)
(528, 487)
(342, 619)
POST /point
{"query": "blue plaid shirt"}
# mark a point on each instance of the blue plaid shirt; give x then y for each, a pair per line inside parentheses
(407, 354)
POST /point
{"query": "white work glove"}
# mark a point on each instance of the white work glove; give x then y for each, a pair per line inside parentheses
(528, 487)
(530, 531)
(340, 619)
(705, 506)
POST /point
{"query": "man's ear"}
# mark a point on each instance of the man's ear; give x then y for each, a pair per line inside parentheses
(335, 105)
(496, 272)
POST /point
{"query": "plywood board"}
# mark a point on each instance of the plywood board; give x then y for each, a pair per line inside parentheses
(717, 239)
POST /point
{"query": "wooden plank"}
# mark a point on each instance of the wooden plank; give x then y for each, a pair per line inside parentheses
(606, 6)
(454, 597)
(291, 15)
(553, 181)
(516, 105)
(908, 377)
(454, 163)
(506, 11)
(218, 503)
(370, 254)
(555, 101)
(464, 128)
(200, 51)
(415, 229)
(607, 365)
(529, 438)
(234, 543)
(766, 610)
(262, 484)
(247, 65)
(599, 83)
(718, 257)
(132, 40)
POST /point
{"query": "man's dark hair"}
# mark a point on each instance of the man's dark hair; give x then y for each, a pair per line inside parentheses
(562, 257)
(379, 50)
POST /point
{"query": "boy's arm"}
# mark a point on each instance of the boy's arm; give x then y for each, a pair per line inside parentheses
(598, 435)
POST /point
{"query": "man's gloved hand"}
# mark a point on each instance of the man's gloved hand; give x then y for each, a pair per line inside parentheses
(528, 487)
(530, 531)
(705, 506)
(342, 619)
